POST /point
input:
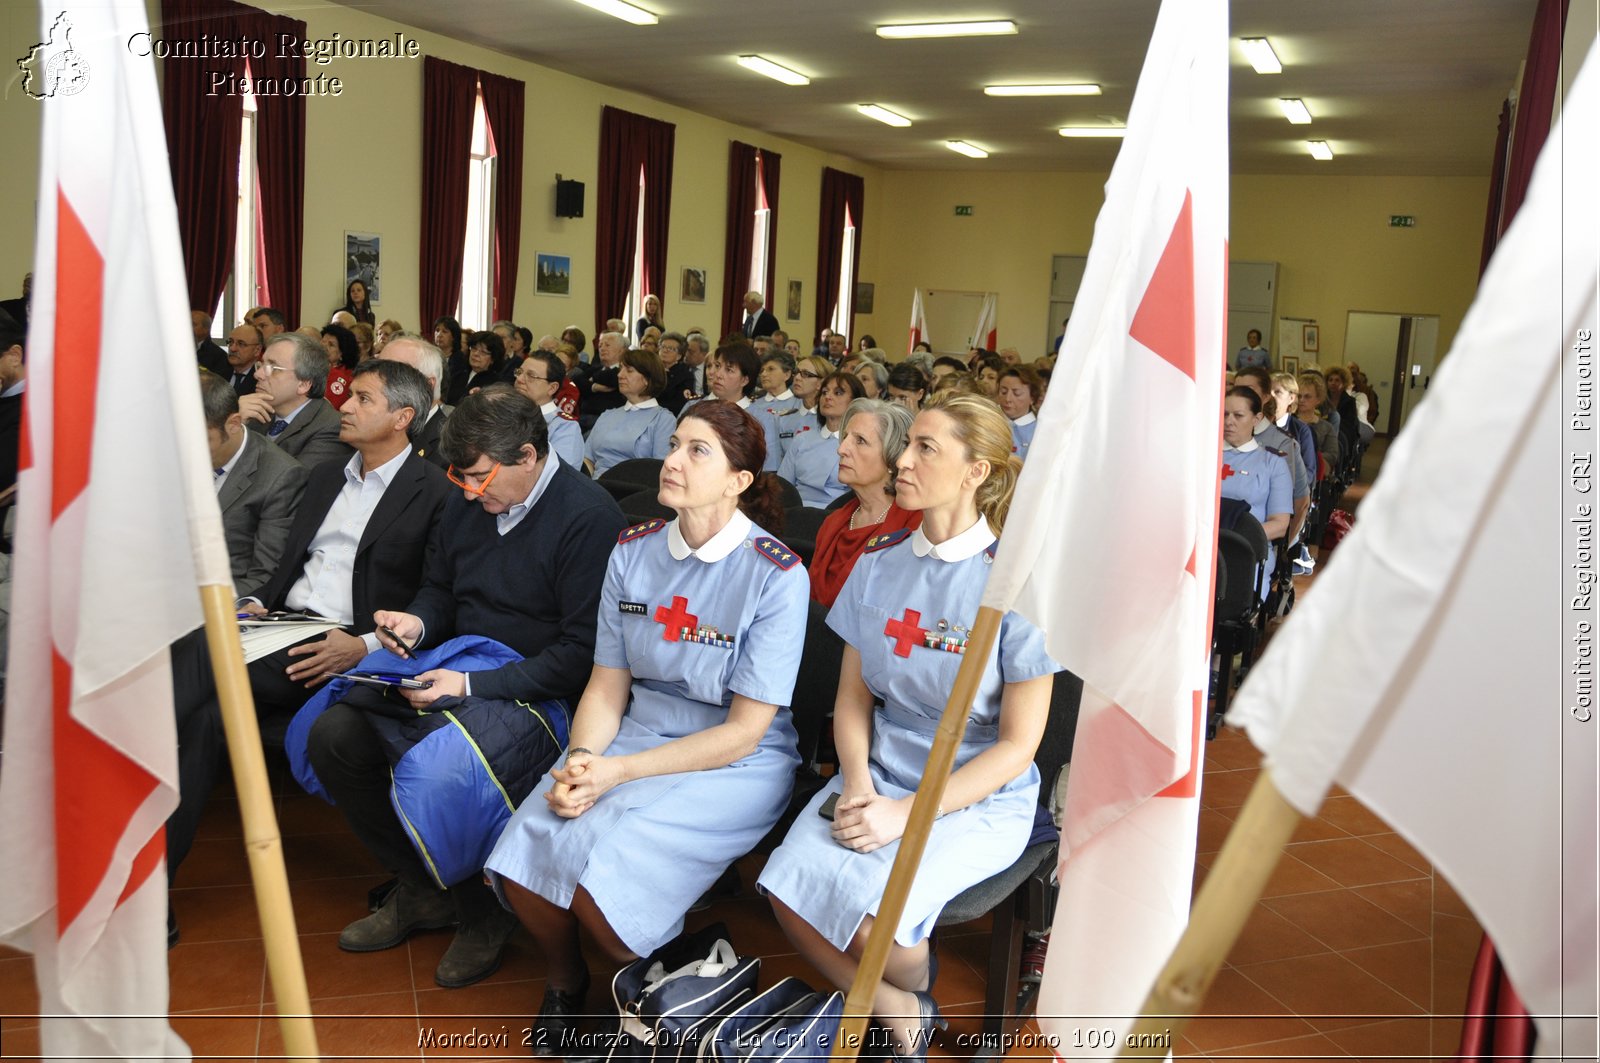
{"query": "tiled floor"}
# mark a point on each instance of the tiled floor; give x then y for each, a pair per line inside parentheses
(1357, 949)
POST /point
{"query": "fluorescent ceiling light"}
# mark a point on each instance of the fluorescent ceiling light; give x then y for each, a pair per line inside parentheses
(969, 150)
(1319, 150)
(947, 29)
(1094, 131)
(772, 70)
(1259, 51)
(883, 114)
(1295, 111)
(1041, 90)
(626, 12)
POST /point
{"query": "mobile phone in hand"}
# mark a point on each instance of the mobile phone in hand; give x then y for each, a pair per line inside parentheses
(405, 648)
(828, 806)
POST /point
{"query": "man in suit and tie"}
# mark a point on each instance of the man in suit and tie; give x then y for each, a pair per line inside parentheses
(270, 322)
(428, 360)
(359, 543)
(758, 320)
(244, 351)
(208, 354)
(288, 405)
(258, 487)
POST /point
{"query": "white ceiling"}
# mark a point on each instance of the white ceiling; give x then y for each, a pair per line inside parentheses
(1396, 86)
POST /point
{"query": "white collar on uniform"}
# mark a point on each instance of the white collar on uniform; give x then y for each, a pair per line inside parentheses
(744, 403)
(550, 410)
(1246, 448)
(717, 547)
(1027, 418)
(782, 396)
(647, 404)
(969, 543)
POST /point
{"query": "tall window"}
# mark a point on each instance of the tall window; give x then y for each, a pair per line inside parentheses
(638, 287)
(475, 311)
(847, 279)
(244, 289)
(763, 225)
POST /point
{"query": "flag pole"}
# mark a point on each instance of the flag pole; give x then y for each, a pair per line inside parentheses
(1226, 899)
(262, 843)
(924, 810)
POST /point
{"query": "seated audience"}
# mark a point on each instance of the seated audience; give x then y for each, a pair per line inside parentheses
(680, 375)
(731, 376)
(366, 340)
(1254, 474)
(640, 428)
(651, 340)
(518, 557)
(944, 365)
(448, 337)
(541, 378)
(1019, 393)
(874, 437)
(599, 386)
(701, 623)
(269, 323)
(1286, 396)
(244, 351)
(387, 329)
(1343, 403)
(987, 367)
(908, 385)
(428, 360)
(288, 405)
(486, 359)
(344, 354)
(207, 354)
(874, 377)
(1279, 442)
(567, 398)
(776, 378)
(866, 343)
(811, 460)
(826, 879)
(1313, 395)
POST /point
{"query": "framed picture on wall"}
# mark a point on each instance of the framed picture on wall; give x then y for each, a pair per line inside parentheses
(1289, 364)
(1309, 336)
(864, 293)
(361, 262)
(553, 274)
(694, 285)
(791, 309)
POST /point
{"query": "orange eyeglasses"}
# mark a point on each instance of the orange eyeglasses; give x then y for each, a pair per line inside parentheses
(476, 490)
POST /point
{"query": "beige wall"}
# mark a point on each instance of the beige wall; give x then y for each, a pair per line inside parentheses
(1330, 235)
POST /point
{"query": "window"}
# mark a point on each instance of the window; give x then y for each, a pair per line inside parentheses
(759, 239)
(638, 286)
(847, 278)
(475, 311)
(244, 289)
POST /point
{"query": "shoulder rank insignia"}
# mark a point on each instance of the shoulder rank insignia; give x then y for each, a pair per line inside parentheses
(777, 553)
(639, 531)
(886, 540)
(988, 555)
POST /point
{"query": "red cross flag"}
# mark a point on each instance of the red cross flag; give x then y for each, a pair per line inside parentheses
(116, 519)
(1111, 543)
(919, 322)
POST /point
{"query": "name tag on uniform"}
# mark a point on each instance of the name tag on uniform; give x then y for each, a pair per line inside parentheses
(633, 607)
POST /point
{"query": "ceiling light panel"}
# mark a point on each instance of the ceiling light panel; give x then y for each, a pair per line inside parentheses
(1295, 111)
(1319, 150)
(947, 29)
(1041, 90)
(884, 115)
(626, 12)
(773, 70)
(1093, 131)
(971, 151)
(1259, 51)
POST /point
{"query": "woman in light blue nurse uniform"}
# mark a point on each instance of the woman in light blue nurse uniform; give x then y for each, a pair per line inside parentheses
(904, 614)
(1254, 474)
(702, 620)
(811, 460)
(641, 427)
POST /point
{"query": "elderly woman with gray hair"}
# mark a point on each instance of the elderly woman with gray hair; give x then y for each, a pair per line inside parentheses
(870, 443)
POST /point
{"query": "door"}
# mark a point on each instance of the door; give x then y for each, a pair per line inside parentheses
(1066, 273)
(1397, 353)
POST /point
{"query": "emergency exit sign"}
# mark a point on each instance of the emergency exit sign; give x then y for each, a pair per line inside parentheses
(1402, 221)
(963, 210)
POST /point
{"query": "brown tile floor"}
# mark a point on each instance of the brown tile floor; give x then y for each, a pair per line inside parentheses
(1358, 949)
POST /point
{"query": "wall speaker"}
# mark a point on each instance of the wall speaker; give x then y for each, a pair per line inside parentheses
(569, 199)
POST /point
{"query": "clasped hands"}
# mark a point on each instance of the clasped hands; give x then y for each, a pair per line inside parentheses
(865, 820)
(580, 782)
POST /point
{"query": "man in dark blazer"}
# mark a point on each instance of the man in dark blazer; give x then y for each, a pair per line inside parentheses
(758, 320)
(428, 360)
(244, 351)
(258, 487)
(208, 354)
(288, 405)
(358, 544)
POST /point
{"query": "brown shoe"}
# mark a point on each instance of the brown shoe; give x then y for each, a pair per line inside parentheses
(410, 907)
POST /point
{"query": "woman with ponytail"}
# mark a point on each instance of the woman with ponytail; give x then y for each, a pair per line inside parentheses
(905, 614)
(702, 619)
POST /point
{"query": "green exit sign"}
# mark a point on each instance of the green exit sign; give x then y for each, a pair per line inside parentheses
(963, 210)
(1402, 221)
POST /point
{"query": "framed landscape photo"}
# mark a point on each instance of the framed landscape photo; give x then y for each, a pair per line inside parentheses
(1291, 365)
(694, 285)
(864, 297)
(361, 261)
(1310, 338)
(553, 274)
(791, 308)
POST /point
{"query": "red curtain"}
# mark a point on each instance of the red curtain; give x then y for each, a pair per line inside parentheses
(629, 142)
(771, 164)
(449, 96)
(841, 192)
(281, 163)
(1497, 188)
(502, 103)
(1497, 1026)
(1535, 103)
(203, 144)
(741, 230)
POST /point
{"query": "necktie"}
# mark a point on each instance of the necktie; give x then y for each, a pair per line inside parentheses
(278, 425)
(239, 378)
(217, 473)
(750, 325)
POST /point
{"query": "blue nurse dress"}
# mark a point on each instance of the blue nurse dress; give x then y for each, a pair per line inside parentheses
(694, 628)
(811, 463)
(1255, 475)
(566, 438)
(640, 430)
(1022, 430)
(900, 600)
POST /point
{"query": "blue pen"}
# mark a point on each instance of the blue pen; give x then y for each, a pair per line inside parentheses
(244, 616)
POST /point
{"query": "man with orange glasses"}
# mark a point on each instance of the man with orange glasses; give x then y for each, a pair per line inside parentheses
(518, 558)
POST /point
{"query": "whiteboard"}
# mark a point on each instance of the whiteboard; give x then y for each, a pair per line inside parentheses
(951, 315)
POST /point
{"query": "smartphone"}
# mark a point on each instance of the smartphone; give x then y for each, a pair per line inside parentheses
(384, 679)
(406, 649)
(826, 811)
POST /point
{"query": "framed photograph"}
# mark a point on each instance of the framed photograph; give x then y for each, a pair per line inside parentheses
(1310, 335)
(791, 309)
(694, 285)
(554, 274)
(864, 293)
(361, 262)
(1290, 364)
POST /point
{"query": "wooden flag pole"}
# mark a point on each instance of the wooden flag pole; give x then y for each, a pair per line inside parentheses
(924, 810)
(1228, 896)
(262, 843)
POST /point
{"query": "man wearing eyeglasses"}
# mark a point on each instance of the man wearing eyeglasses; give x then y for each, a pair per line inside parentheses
(519, 557)
(288, 405)
(540, 378)
(428, 360)
(244, 349)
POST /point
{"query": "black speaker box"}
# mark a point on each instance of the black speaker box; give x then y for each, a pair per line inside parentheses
(569, 199)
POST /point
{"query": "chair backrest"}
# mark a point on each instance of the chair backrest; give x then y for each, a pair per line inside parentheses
(646, 472)
(1236, 576)
(643, 505)
(1055, 748)
(789, 495)
(1254, 534)
(802, 522)
(841, 500)
(817, 684)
